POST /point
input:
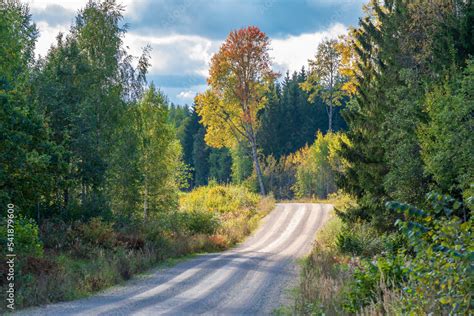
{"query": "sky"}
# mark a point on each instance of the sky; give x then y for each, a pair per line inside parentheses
(184, 34)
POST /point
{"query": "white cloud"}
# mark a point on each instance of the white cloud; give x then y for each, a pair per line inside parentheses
(175, 54)
(67, 4)
(183, 96)
(293, 52)
(186, 94)
(131, 6)
(48, 36)
(190, 55)
(49, 32)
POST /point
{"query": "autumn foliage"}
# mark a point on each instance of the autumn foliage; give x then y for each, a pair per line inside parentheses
(239, 76)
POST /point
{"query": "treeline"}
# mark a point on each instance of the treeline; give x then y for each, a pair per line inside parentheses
(404, 245)
(76, 119)
(411, 117)
(288, 122)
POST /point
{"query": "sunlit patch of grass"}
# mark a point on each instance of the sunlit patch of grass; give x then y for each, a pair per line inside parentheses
(339, 200)
(239, 211)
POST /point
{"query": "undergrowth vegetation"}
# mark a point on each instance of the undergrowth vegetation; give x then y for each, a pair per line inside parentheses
(62, 261)
(231, 211)
(424, 266)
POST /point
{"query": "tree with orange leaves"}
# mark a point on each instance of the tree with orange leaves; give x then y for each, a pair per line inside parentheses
(239, 75)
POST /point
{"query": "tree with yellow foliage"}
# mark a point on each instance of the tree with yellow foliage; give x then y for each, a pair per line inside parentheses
(239, 76)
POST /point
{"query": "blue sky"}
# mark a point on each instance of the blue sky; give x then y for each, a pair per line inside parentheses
(184, 34)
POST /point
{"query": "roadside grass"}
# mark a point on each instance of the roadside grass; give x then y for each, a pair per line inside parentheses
(329, 282)
(237, 210)
(325, 271)
(81, 259)
(338, 199)
(323, 274)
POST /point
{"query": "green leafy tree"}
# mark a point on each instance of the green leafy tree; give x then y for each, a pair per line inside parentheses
(318, 164)
(85, 86)
(159, 154)
(446, 139)
(241, 163)
(27, 154)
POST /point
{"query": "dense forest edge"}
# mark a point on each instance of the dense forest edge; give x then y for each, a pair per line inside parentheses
(401, 239)
(106, 178)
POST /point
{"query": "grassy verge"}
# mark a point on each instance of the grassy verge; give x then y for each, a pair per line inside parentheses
(339, 200)
(236, 211)
(423, 268)
(80, 259)
(323, 275)
(327, 274)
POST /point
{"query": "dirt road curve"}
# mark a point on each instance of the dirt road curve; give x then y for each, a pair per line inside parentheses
(249, 279)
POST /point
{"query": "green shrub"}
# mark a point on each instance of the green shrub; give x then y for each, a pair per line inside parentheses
(438, 262)
(26, 237)
(315, 175)
(227, 212)
(54, 234)
(201, 222)
(220, 199)
(98, 233)
(155, 235)
(370, 279)
(361, 239)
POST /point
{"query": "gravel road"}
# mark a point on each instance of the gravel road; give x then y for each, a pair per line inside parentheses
(251, 279)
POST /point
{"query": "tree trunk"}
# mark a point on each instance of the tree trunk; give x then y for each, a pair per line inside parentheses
(330, 117)
(257, 168)
(145, 200)
(38, 215)
(331, 89)
(83, 193)
(66, 198)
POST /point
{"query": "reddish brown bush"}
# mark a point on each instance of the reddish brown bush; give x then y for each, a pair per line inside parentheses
(219, 241)
(39, 266)
(130, 241)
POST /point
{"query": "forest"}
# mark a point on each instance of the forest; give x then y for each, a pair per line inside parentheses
(107, 178)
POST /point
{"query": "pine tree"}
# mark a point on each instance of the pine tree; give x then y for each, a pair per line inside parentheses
(200, 158)
(220, 165)
(290, 120)
(397, 54)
